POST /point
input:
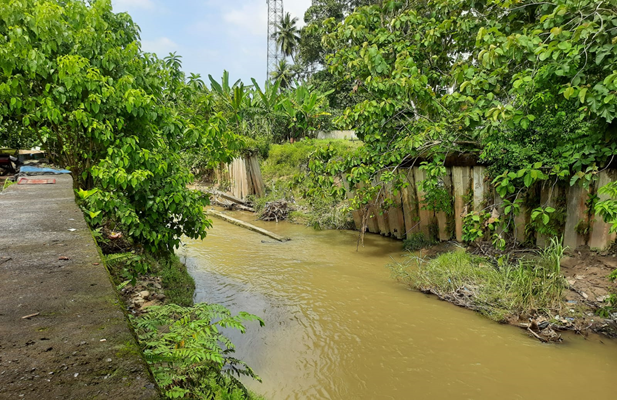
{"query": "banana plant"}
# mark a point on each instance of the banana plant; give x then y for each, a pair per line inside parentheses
(304, 107)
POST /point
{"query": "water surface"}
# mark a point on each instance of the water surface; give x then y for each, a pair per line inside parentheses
(338, 327)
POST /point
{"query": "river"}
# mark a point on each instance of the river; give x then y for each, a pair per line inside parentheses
(338, 327)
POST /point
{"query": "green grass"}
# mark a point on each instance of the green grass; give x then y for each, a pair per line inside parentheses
(178, 284)
(527, 287)
(289, 159)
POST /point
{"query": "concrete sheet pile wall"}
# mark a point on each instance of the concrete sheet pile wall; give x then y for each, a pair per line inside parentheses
(242, 177)
(471, 190)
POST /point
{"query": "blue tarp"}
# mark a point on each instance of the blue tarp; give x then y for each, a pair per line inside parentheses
(27, 169)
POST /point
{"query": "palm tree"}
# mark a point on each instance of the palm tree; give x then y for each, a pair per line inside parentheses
(283, 74)
(287, 35)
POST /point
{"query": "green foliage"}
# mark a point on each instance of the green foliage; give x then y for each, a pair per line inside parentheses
(287, 35)
(525, 86)
(273, 114)
(127, 266)
(499, 292)
(323, 213)
(8, 183)
(547, 221)
(289, 175)
(476, 224)
(610, 307)
(607, 209)
(189, 355)
(303, 108)
(436, 195)
(291, 159)
(75, 79)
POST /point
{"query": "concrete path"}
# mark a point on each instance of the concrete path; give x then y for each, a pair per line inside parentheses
(76, 344)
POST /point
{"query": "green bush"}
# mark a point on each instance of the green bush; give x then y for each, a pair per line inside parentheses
(285, 173)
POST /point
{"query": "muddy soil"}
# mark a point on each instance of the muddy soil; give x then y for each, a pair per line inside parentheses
(587, 274)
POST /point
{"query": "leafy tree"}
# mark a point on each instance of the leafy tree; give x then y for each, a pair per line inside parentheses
(523, 84)
(311, 52)
(75, 79)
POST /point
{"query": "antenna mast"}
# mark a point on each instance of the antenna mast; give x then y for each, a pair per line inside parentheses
(275, 16)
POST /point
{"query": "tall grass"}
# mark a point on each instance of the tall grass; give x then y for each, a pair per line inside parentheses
(526, 287)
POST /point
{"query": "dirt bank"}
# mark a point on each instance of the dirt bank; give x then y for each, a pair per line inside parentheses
(526, 292)
(63, 334)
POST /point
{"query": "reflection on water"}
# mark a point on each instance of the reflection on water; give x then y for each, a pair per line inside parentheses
(338, 327)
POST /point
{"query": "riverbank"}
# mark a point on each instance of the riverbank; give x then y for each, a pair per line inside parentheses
(544, 292)
(63, 333)
(182, 341)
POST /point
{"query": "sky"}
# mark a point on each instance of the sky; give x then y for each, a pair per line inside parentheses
(210, 35)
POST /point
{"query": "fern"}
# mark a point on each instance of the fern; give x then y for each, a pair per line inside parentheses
(190, 357)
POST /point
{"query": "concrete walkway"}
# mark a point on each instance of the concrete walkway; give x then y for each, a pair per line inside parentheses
(76, 344)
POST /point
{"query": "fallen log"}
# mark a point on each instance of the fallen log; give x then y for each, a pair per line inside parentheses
(229, 197)
(242, 208)
(246, 225)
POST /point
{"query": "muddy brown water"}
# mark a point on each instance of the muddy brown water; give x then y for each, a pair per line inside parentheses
(338, 327)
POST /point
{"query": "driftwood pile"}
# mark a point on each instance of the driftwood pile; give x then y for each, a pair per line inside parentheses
(275, 211)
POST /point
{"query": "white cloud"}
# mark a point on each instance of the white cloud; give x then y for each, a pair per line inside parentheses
(297, 8)
(252, 17)
(161, 46)
(126, 5)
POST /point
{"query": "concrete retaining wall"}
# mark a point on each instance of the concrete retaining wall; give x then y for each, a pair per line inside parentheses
(347, 135)
(471, 190)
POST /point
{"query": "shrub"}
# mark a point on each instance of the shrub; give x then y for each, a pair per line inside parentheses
(189, 355)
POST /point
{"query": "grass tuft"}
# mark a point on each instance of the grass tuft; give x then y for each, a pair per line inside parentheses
(178, 284)
(507, 290)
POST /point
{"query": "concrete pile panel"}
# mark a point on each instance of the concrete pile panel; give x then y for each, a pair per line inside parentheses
(462, 184)
(425, 215)
(443, 220)
(576, 216)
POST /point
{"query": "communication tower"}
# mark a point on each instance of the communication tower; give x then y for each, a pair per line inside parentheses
(275, 17)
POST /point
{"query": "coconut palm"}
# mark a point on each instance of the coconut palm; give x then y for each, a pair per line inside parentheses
(283, 73)
(287, 36)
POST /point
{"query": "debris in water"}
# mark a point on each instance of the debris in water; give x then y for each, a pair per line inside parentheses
(275, 211)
